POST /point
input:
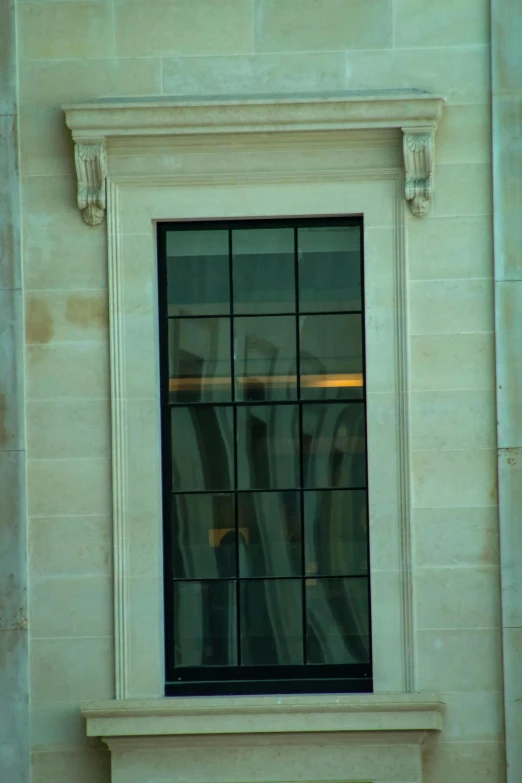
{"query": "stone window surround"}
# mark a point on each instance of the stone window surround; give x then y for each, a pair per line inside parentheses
(135, 200)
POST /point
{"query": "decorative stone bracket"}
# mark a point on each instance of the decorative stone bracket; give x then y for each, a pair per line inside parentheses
(418, 148)
(91, 170)
(415, 113)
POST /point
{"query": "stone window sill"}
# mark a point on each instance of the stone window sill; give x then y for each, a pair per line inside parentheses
(395, 714)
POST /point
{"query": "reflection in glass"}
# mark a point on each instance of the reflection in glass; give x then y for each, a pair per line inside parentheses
(271, 622)
(337, 621)
(329, 269)
(263, 270)
(205, 623)
(199, 360)
(267, 446)
(265, 360)
(203, 536)
(334, 445)
(331, 356)
(271, 526)
(336, 532)
(198, 275)
(202, 448)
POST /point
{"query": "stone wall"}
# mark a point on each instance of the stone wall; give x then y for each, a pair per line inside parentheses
(71, 50)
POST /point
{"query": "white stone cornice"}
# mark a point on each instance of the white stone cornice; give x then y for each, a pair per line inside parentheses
(91, 171)
(93, 124)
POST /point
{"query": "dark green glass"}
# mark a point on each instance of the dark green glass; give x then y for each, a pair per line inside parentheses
(271, 622)
(337, 621)
(199, 360)
(205, 625)
(265, 358)
(263, 265)
(198, 273)
(336, 532)
(329, 269)
(269, 533)
(202, 448)
(334, 445)
(267, 446)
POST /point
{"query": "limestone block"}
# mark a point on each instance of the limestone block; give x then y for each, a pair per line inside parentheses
(68, 486)
(57, 30)
(162, 28)
(454, 478)
(67, 369)
(450, 247)
(451, 306)
(260, 73)
(458, 419)
(68, 428)
(305, 25)
(85, 540)
(424, 69)
(459, 660)
(71, 669)
(456, 536)
(441, 362)
(457, 597)
(444, 23)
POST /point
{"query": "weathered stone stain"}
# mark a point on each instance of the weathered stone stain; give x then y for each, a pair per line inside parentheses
(38, 321)
(87, 310)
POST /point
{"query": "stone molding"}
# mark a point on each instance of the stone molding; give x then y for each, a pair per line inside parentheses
(93, 124)
(390, 713)
(138, 667)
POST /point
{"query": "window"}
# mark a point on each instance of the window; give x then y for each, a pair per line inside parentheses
(264, 457)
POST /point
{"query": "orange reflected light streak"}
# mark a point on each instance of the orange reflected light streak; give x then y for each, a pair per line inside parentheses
(335, 381)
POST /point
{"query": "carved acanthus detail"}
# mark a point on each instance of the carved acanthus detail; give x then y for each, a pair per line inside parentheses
(418, 162)
(91, 170)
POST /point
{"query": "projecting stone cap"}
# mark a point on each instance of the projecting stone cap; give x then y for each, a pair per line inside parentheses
(95, 124)
(393, 714)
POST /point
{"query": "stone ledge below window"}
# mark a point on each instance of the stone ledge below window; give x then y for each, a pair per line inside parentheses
(401, 717)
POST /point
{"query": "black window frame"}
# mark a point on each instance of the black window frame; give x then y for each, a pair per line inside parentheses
(237, 680)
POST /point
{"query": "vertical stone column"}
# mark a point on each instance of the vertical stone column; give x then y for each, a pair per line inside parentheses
(507, 187)
(14, 718)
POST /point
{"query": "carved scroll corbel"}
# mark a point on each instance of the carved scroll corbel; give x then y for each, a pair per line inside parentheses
(91, 170)
(419, 148)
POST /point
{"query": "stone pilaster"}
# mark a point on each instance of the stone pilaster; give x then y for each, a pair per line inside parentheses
(506, 24)
(14, 679)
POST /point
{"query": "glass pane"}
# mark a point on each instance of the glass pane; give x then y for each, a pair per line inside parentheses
(336, 532)
(265, 358)
(199, 360)
(198, 273)
(329, 269)
(337, 621)
(202, 448)
(334, 445)
(263, 270)
(203, 536)
(331, 351)
(205, 625)
(271, 622)
(267, 447)
(270, 533)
